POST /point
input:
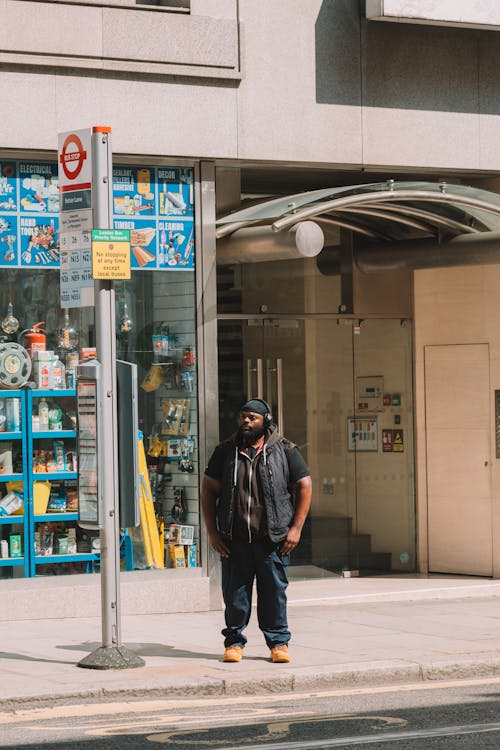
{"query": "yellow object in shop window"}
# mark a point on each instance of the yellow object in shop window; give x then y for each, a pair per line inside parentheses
(19, 488)
(41, 494)
(153, 379)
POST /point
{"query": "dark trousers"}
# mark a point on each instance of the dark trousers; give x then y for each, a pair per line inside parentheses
(262, 561)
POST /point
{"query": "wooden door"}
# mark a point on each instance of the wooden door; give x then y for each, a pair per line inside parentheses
(457, 395)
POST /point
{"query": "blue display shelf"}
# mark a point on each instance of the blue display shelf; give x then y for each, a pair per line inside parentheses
(12, 520)
(59, 393)
(22, 523)
(11, 435)
(9, 562)
(54, 476)
(33, 398)
(53, 517)
(26, 523)
(12, 477)
(41, 434)
(78, 557)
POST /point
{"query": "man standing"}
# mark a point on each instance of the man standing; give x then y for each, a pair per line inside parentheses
(255, 498)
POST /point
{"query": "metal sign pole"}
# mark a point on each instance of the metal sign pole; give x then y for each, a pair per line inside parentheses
(111, 655)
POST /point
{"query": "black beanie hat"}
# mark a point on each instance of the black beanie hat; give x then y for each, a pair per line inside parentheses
(256, 405)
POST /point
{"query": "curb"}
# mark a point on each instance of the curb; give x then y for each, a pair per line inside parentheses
(303, 679)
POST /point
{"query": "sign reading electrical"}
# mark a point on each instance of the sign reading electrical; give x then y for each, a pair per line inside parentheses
(75, 173)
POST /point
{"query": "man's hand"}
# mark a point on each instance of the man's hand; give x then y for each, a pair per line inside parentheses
(303, 491)
(210, 491)
(218, 544)
(291, 541)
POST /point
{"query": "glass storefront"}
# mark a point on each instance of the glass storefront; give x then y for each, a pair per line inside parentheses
(155, 329)
(341, 389)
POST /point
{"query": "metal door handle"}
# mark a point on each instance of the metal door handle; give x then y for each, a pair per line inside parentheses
(278, 369)
(279, 388)
(259, 378)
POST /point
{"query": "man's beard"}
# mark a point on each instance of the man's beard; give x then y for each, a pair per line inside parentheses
(246, 438)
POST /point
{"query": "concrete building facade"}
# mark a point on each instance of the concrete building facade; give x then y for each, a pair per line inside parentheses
(265, 100)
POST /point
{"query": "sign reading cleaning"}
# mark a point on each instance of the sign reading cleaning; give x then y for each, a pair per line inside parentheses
(111, 254)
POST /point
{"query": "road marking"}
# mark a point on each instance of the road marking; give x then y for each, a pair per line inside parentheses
(274, 731)
(379, 739)
(128, 705)
(206, 722)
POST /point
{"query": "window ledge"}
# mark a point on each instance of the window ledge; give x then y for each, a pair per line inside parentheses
(169, 6)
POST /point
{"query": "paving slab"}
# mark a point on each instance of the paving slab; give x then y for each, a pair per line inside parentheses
(344, 633)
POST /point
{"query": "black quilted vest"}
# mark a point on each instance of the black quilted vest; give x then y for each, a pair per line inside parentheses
(274, 475)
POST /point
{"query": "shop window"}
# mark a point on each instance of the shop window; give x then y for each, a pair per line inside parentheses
(155, 328)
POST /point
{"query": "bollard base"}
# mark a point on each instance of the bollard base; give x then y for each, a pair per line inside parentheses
(112, 657)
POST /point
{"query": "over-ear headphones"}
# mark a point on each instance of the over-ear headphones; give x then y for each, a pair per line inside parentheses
(268, 417)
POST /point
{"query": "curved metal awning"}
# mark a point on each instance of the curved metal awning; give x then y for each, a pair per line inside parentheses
(388, 211)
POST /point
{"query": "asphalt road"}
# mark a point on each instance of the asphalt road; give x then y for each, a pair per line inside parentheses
(438, 716)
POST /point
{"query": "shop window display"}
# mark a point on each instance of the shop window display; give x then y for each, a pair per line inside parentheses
(155, 328)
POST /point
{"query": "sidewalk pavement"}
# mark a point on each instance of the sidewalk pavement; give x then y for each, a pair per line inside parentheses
(345, 632)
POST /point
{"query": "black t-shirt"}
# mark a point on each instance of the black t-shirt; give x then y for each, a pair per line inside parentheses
(297, 466)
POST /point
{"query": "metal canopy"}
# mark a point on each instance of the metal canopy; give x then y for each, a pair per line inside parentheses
(388, 211)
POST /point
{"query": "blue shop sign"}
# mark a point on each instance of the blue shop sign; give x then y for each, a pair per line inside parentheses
(155, 203)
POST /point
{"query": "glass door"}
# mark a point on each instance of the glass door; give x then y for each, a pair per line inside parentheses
(384, 463)
(341, 390)
(307, 385)
(264, 358)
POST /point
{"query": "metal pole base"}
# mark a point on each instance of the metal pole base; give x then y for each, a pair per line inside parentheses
(113, 657)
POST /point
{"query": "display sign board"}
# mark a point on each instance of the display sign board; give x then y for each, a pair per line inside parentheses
(128, 444)
(76, 282)
(89, 412)
(111, 254)
(29, 222)
(156, 204)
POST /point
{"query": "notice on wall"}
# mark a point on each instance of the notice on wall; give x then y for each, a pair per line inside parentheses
(370, 393)
(393, 441)
(110, 254)
(362, 434)
(398, 444)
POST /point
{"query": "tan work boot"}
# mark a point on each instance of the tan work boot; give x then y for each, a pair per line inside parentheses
(280, 655)
(233, 653)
